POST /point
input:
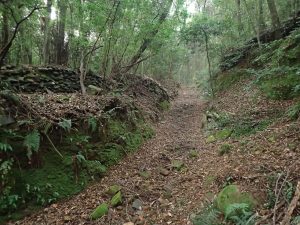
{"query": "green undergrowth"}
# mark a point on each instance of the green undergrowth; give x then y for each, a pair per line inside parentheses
(224, 126)
(226, 80)
(164, 105)
(231, 206)
(274, 69)
(80, 156)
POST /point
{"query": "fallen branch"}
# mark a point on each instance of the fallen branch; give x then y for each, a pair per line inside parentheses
(53, 146)
(287, 218)
(277, 194)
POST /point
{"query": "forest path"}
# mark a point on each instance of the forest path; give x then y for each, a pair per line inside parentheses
(166, 195)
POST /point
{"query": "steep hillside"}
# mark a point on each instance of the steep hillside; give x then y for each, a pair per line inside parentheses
(253, 125)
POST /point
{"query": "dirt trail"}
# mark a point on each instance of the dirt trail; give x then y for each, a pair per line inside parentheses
(167, 196)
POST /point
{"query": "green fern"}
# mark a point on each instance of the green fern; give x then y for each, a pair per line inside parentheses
(92, 122)
(294, 111)
(235, 209)
(210, 215)
(65, 124)
(32, 142)
(296, 220)
(4, 147)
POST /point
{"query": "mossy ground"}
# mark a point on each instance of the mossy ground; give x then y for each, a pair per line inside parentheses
(56, 178)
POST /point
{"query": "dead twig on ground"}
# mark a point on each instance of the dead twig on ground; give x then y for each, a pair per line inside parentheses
(287, 218)
(278, 193)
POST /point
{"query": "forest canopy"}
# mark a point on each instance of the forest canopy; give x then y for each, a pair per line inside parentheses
(158, 38)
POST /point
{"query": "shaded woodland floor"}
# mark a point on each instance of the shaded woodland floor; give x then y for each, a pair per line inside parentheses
(167, 195)
(178, 171)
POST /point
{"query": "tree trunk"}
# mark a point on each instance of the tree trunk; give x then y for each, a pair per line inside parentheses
(239, 17)
(5, 29)
(274, 14)
(46, 44)
(136, 59)
(60, 40)
(261, 19)
(5, 49)
(209, 63)
(252, 23)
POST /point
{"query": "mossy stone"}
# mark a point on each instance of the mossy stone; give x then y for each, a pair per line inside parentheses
(116, 199)
(112, 190)
(211, 139)
(100, 211)
(223, 134)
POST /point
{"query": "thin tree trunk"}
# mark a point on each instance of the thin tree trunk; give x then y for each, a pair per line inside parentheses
(5, 49)
(239, 16)
(261, 19)
(46, 44)
(274, 14)
(255, 29)
(147, 40)
(5, 29)
(209, 63)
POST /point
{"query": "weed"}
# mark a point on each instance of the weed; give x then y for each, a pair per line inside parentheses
(294, 111)
(164, 105)
(225, 149)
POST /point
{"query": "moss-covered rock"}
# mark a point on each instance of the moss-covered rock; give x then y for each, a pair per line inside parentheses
(223, 134)
(112, 190)
(100, 211)
(116, 199)
(211, 139)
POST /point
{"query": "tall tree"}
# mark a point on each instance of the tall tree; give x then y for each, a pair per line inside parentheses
(61, 51)
(274, 14)
(239, 16)
(261, 18)
(46, 28)
(5, 49)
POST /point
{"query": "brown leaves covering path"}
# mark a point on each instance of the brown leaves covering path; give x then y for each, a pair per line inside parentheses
(168, 196)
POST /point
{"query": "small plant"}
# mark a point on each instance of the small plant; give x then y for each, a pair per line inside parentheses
(32, 143)
(225, 149)
(164, 105)
(66, 124)
(294, 112)
(209, 215)
(4, 147)
(92, 123)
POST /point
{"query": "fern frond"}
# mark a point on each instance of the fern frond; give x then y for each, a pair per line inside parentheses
(32, 142)
(208, 216)
(65, 124)
(92, 122)
(235, 208)
(4, 147)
